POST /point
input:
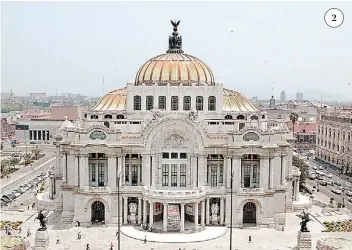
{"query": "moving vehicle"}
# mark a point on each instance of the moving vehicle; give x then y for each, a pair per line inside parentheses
(323, 183)
(312, 176)
(337, 183)
(348, 193)
(330, 183)
(320, 178)
(321, 168)
(329, 175)
(336, 191)
(350, 200)
(315, 168)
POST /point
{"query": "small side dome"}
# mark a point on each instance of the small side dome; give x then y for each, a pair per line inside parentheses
(67, 124)
(114, 101)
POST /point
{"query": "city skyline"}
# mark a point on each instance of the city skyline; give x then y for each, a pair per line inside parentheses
(62, 53)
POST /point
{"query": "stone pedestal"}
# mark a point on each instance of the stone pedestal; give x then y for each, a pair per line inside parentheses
(214, 219)
(41, 240)
(304, 241)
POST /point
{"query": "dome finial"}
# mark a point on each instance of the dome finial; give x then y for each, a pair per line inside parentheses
(175, 41)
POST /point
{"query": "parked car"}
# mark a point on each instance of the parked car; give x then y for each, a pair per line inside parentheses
(11, 196)
(323, 183)
(329, 175)
(330, 183)
(337, 183)
(18, 191)
(321, 168)
(24, 188)
(16, 194)
(315, 168)
(348, 193)
(336, 191)
(3, 203)
(350, 200)
(320, 178)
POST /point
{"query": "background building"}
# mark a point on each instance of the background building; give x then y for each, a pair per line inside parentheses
(283, 97)
(299, 96)
(334, 140)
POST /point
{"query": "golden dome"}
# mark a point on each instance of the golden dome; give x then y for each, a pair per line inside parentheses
(113, 101)
(232, 102)
(174, 68)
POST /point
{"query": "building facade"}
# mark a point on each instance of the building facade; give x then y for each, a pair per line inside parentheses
(334, 138)
(165, 150)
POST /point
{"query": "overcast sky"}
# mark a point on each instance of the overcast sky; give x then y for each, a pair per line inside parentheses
(70, 47)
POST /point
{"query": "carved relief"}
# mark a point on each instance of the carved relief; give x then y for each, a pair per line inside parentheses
(174, 141)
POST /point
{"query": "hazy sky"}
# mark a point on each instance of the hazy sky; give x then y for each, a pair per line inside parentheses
(71, 46)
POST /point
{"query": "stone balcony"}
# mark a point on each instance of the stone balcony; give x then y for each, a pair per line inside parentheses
(174, 196)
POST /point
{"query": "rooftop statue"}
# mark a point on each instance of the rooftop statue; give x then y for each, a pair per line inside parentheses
(175, 41)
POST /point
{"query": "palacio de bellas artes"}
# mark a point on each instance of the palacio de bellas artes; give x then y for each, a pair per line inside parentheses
(175, 151)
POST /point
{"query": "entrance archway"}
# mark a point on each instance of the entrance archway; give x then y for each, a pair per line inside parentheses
(250, 213)
(98, 212)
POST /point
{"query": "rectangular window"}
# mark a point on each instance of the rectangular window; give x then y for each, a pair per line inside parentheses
(165, 175)
(182, 175)
(221, 177)
(93, 171)
(127, 173)
(255, 175)
(173, 175)
(100, 174)
(35, 135)
(162, 102)
(183, 155)
(246, 176)
(165, 155)
(214, 175)
(134, 171)
(174, 103)
(174, 155)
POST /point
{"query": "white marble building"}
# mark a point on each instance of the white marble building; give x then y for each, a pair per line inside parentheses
(167, 145)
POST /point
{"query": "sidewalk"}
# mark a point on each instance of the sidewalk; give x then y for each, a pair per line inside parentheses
(25, 170)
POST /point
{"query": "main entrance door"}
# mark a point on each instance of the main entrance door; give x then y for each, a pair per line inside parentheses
(249, 213)
(98, 211)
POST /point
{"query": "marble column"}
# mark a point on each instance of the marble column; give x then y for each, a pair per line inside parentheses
(86, 166)
(123, 178)
(165, 218)
(154, 166)
(144, 211)
(120, 205)
(139, 210)
(207, 212)
(297, 190)
(76, 166)
(112, 172)
(283, 174)
(228, 171)
(125, 209)
(202, 215)
(271, 177)
(151, 214)
(222, 210)
(195, 216)
(182, 224)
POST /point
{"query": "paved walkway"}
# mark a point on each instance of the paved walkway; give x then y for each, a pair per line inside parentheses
(25, 170)
(209, 233)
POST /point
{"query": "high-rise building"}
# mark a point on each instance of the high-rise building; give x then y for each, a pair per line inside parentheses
(283, 96)
(299, 96)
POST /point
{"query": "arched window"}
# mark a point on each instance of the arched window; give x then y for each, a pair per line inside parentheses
(228, 117)
(149, 102)
(107, 124)
(212, 103)
(174, 103)
(254, 117)
(120, 117)
(107, 116)
(186, 103)
(240, 117)
(162, 102)
(94, 117)
(199, 103)
(137, 102)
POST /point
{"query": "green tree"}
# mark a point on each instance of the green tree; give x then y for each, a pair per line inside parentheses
(36, 152)
(302, 166)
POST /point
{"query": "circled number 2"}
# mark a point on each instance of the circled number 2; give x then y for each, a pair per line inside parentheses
(334, 17)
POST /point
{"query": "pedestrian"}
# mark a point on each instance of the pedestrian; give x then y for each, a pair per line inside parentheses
(28, 207)
(79, 236)
(33, 205)
(145, 239)
(87, 247)
(57, 240)
(19, 230)
(111, 246)
(250, 238)
(29, 232)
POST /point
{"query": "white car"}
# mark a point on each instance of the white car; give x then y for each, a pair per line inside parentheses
(329, 175)
(336, 191)
(315, 168)
(321, 168)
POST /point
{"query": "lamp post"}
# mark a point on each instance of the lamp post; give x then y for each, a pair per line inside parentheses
(118, 211)
(231, 182)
